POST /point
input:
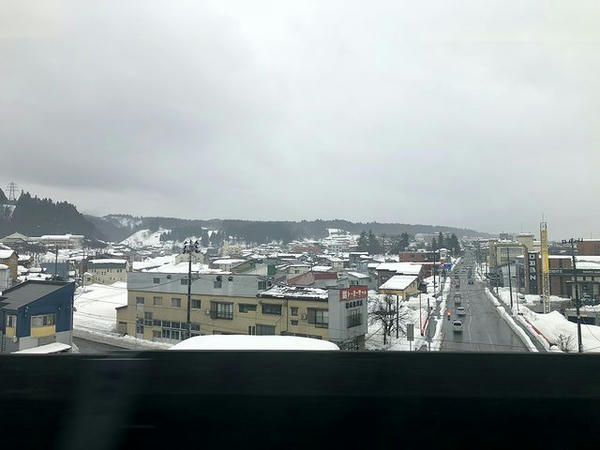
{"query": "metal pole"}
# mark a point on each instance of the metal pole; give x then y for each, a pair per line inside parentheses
(576, 294)
(397, 317)
(509, 278)
(428, 325)
(189, 293)
(433, 270)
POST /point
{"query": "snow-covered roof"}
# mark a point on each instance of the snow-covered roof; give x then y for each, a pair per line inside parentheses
(107, 261)
(405, 268)
(4, 267)
(297, 292)
(245, 342)
(4, 254)
(54, 347)
(227, 261)
(59, 237)
(398, 282)
(358, 275)
(321, 268)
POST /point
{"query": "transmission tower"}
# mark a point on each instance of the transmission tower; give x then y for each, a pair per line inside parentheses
(12, 192)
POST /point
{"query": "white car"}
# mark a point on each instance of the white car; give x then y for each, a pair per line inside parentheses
(461, 311)
(457, 326)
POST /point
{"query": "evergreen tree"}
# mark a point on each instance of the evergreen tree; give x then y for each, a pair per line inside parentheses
(204, 241)
(363, 242)
(434, 244)
(441, 240)
(374, 245)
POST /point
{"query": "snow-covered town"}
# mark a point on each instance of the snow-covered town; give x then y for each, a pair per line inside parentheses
(313, 224)
(358, 291)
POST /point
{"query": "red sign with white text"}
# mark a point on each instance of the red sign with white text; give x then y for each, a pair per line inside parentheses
(353, 293)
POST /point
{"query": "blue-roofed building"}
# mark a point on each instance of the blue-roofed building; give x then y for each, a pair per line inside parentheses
(36, 313)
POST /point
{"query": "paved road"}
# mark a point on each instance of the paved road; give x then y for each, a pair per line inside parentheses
(86, 346)
(483, 328)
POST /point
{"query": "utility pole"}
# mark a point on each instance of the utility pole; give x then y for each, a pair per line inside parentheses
(509, 277)
(428, 325)
(576, 292)
(56, 262)
(190, 247)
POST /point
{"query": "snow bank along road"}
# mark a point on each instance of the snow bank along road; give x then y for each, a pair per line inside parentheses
(483, 328)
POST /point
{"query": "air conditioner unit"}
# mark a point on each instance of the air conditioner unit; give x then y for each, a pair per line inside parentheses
(303, 316)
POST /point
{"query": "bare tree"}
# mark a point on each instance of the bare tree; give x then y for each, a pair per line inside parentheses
(565, 342)
(382, 311)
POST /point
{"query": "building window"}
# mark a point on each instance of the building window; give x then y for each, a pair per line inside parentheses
(262, 285)
(246, 307)
(139, 300)
(354, 318)
(156, 334)
(148, 319)
(11, 321)
(176, 302)
(195, 326)
(294, 310)
(156, 280)
(218, 284)
(265, 330)
(251, 330)
(271, 309)
(156, 323)
(45, 320)
(139, 329)
(294, 322)
(184, 281)
(220, 310)
(157, 301)
(318, 317)
(196, 304)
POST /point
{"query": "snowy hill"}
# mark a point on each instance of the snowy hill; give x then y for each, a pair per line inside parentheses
(144, 238)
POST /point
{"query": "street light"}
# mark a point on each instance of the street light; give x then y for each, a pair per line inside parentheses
(572, 242)
(190, 247)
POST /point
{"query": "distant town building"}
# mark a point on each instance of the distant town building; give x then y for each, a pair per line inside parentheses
(106, 271)
(588, 247)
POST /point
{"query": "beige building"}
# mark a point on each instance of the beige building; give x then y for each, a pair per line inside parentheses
(240, 304)
(106, 271)
(500, 252)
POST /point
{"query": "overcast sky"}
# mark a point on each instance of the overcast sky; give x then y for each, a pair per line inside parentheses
(468, 113)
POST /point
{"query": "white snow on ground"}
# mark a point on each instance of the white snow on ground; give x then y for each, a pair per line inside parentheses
(245, 342)
(554, 324)
(95, 317)
(548, 328)
(144, 238)
(438, 336)
(96, 305)
(410, 307)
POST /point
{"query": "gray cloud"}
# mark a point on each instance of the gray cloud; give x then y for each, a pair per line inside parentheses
(479, 114)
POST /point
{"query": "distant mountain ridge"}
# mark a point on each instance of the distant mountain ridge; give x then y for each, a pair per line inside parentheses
(118, 227)
(36, 216)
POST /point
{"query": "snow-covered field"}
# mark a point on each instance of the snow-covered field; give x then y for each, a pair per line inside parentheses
(96, 305)
(95, 317)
